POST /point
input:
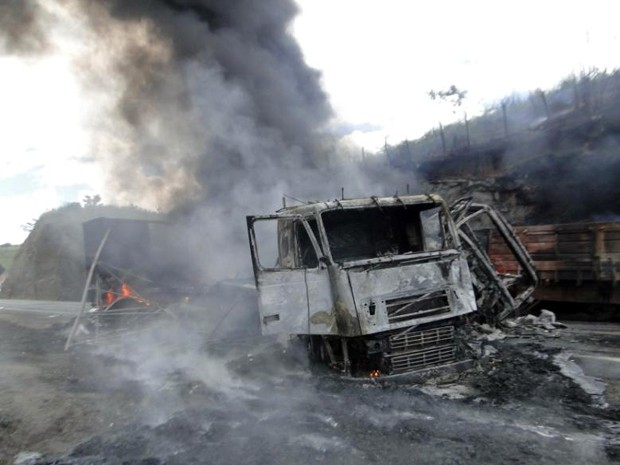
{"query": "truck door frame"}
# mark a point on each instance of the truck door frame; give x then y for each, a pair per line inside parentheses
(287, 295)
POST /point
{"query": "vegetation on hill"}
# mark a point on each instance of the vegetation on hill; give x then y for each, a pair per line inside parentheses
(548, 157)
(591, 97)
(7, 254)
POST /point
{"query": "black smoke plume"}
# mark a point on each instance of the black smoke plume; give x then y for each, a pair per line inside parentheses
(213, 95)
(202, 108)
(21, 27)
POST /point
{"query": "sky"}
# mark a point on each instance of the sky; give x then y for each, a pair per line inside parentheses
(378, 62)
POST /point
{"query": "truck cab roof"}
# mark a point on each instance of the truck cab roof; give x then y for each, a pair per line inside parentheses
(310, 208)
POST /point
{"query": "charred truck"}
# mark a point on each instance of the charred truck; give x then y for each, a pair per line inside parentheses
(381, 286)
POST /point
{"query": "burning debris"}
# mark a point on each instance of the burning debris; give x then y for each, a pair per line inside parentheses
(140, 269)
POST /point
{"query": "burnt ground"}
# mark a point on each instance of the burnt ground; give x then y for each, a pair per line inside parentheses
(161, 397)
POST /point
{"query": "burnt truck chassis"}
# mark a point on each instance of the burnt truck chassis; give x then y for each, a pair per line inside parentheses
(384, 286)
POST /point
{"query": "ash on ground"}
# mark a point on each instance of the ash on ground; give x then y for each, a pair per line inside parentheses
(258, 401)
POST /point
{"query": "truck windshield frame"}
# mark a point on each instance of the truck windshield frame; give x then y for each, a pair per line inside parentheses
(369, 233)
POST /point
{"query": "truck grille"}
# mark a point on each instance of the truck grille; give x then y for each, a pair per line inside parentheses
(422, 349)
(406, 308)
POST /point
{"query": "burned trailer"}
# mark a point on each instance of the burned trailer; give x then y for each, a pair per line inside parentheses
(141, 263)
(143, 269)
(134, 272)
(578, 265)
(375, 286)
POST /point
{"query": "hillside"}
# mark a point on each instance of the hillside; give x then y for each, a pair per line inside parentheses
(7, 254)
(549, 157)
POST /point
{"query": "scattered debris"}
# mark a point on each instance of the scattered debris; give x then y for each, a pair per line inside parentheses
(27, 458)
(544, 325)
(573, 371)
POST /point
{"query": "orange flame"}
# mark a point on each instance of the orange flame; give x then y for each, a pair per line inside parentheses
(125, 292)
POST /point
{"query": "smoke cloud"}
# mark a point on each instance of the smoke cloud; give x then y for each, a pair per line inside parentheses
(186, 98)
(202, 108)
(208, 95)
(21, 27)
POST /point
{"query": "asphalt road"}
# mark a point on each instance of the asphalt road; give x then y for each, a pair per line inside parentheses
(595, 357)
(162, 399)
(40, 306)
(38, 314)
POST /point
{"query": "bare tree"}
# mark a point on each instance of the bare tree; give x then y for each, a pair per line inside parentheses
(92, 200)
(453, 95)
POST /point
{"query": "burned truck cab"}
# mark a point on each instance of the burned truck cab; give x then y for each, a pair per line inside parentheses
(373, 285)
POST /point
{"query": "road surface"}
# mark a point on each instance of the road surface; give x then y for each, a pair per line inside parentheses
(40, 307)
(163, 399)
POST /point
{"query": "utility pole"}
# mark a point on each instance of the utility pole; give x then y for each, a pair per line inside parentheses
(443, 139)
(387, 152)
(505, 118)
